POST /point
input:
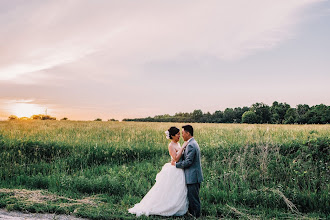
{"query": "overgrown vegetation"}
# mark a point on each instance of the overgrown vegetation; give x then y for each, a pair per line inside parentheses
(100, 169)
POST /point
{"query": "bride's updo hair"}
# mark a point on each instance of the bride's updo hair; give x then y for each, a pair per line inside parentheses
(173, 131)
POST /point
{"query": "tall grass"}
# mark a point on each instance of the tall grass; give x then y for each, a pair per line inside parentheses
(250, 170)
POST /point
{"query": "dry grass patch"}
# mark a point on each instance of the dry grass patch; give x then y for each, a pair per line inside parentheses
(31, 197)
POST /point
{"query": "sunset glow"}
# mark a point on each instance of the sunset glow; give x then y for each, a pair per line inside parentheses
(25, 109)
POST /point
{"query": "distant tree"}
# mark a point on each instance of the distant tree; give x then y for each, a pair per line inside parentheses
(218, 117)
(249, 117)
(319, 114)
(207, 118)
(98, 119)
(112, 119)
(197, 115)
(262, 111)
(47, 117)
(228, 115)
(182, 117)
(302, 117)
(275, 119)
(278, 111)
(13, 117)
(290, 116)
(238, 113)
(64, 119)
(150, 119)
(42, 117)
(36, 117)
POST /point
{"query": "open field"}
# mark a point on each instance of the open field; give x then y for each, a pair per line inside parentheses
(98, 170)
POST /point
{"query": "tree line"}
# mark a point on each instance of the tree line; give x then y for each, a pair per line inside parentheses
(258, 113)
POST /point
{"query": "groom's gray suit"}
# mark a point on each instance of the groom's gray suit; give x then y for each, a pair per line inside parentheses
(191, 163)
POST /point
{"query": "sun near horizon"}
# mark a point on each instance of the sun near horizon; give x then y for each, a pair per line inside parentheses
(26, 109)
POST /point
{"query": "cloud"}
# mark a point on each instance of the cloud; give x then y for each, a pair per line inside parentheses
(47, 34)
(114, 54)
(43, 35)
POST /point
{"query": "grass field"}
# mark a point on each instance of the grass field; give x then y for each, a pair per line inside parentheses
(98, 170)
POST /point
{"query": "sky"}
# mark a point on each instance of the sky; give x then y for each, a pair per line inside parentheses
(106, 59)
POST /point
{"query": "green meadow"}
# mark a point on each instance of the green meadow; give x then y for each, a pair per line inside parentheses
(98, 170)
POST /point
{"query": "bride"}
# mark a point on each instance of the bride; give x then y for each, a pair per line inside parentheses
(169, 194)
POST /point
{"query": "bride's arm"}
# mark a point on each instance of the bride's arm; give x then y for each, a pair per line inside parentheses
(176, 155)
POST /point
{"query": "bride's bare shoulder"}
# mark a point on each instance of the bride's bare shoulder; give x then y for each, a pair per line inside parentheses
(174, 146)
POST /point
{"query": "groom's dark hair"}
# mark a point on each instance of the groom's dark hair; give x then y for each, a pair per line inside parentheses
(189, 128)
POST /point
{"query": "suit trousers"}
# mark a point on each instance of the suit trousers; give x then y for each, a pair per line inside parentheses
(193, 198)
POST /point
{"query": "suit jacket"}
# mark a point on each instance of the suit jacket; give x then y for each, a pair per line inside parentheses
(191, 163)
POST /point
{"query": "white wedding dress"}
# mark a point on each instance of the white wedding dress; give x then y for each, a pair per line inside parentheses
(167, 197)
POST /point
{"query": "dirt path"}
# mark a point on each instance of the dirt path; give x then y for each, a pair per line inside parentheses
(5, 215)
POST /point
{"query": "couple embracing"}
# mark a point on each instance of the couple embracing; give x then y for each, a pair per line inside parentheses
(177, 185)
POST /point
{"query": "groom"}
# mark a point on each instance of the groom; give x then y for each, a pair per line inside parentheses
(191, 163)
